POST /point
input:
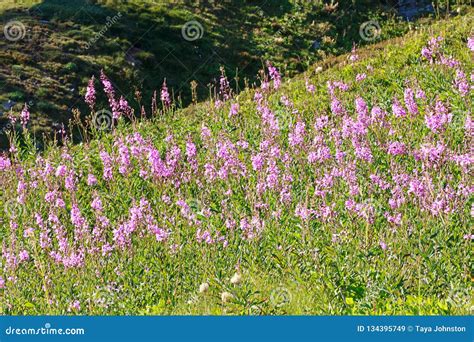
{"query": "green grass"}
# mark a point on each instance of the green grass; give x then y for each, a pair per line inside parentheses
(293, 267)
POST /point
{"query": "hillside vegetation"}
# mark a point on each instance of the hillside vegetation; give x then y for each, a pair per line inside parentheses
(58, 45)
(345, 190)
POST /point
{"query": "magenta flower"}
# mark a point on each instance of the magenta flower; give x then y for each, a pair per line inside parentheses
(420, 94)
(191, 150)
(125, 107)
(24, 116)
(29, 232)
(461, 83)
(438, 117)
(124, 158)
(296, 136)
(23, 255)
(337, 107)
(165, 95)
(60, 203)
(61, 171)
(361, 77)
(110, 92)
(354, 57)
(396, 148)
(431, 51)
(417, 187)
(470, 43)
(75, 306)
(160, 233)
(303, 212)
(205, 132)
(257, 162)
(398, 109)
(97, 204)
(410, 103)
(274, 75)
(234, 109)
(310, 88)
(5, 163)
(204, 236)
(108, 164)
(90, 97)
(224, 88)
(91, 180)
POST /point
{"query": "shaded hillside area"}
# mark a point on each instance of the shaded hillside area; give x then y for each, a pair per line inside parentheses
(55, 46)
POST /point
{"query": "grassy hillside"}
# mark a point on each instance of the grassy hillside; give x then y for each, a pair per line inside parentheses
(346, 190)
(139, 43)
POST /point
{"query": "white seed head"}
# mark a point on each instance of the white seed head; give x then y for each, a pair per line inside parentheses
(203, 288)
(236, 279)
(226, 296)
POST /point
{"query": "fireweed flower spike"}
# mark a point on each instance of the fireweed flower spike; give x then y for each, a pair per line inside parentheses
(224, 87)
(165, 96)
(110, 92)
(25, 116)
(470, 43)
(274, 75)
(90, 96)
(234, 109)
(75, 306)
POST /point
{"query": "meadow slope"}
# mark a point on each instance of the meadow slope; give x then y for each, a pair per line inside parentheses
(347, 190)
(50, 48)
